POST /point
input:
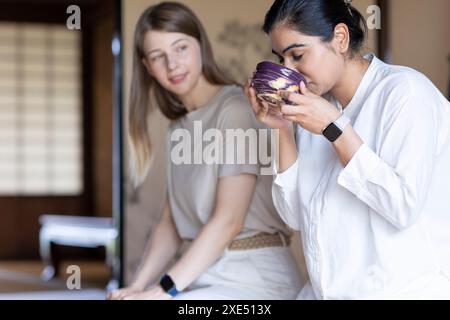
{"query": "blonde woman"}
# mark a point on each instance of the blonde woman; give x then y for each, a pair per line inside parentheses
(237, 244)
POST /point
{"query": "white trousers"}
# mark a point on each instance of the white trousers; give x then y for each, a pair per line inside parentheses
(254, 274)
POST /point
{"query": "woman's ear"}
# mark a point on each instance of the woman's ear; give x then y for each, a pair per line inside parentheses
(341, 38)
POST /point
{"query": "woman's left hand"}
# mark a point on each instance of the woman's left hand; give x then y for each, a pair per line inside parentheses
(154, 293)
(311, 112)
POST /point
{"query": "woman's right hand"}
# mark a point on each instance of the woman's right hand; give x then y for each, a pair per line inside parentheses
(120, 294)
(272, 117)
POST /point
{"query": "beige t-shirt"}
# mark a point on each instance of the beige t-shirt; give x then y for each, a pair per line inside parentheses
(193, 177)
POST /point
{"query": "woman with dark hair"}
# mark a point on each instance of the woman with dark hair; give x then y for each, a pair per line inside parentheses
(364, 173)
(236, 244)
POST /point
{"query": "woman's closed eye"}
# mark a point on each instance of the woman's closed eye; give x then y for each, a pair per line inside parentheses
(296, 57)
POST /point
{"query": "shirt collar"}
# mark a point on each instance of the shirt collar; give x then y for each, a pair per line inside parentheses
(358, 98)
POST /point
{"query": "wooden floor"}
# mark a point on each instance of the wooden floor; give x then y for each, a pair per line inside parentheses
(24, 276)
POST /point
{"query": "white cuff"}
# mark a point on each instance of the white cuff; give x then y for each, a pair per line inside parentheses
(288, 179)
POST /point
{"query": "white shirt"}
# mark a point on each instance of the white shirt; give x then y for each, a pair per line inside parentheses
(380, 227)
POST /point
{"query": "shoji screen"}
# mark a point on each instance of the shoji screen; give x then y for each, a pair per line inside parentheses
(40, 110)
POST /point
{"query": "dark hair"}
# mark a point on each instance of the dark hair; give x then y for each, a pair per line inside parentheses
(169, 17)
(318, 18)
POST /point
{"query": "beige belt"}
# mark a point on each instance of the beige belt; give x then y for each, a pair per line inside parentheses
(261, 240)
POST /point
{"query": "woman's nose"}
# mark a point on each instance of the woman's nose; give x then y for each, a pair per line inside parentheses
(171, 63)
(288, 64)
(292, 66)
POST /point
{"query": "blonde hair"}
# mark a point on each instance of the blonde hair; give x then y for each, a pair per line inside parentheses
(169, 17)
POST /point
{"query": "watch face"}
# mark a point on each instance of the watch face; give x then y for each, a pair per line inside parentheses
(166, 283)
(332, 132)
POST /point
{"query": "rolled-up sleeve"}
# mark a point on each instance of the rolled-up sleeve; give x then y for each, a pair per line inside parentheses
(285, 196)
(393, 181)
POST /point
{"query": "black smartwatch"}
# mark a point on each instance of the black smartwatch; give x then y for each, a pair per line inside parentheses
(168, 285)
(335, 129)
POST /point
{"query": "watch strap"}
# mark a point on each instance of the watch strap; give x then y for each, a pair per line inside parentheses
(342, 122)
(168, 285)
